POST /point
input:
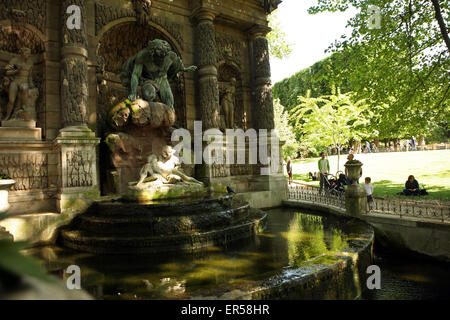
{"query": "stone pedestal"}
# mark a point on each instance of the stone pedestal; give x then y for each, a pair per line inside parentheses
(355, 195)
(165, 192)
(20, 130)
(213, 174)
(77, 163)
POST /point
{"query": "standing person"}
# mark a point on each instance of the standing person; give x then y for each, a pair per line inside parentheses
(414, 143)
(289, 169)
(368, 147)
(324, 168)
(369, 190)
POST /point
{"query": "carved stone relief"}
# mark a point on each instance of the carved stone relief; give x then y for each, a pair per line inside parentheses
(79, 168)
(29, 170)
(74, 91)
(241, 169)
(20, 12)
(228, 48)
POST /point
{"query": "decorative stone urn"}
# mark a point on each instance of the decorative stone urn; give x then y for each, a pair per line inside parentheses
(355, 195)
(5, 185)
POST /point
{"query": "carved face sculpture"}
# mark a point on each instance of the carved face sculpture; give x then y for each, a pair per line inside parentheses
(166, 153)
(121, 117)
(159, 47)
(25, 53)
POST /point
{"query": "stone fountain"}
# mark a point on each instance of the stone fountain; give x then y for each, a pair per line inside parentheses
(163, 208)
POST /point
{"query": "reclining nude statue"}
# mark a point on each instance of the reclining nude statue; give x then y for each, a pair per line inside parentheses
(151, 68)
(163, 170)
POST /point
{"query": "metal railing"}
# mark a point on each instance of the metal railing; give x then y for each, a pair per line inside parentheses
(313, 194)
(436, 210)
(425, 209)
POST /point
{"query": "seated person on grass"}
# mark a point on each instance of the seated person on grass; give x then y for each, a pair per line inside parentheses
(412, 188)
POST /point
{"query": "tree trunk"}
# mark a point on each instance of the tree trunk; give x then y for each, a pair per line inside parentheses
(421, 141)
(441, 22)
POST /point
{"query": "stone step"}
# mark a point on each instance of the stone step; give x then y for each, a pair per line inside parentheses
(156, 225)
(160, 209)
(133, 244)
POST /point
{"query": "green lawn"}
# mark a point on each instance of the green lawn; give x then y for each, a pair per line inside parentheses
(389, 171)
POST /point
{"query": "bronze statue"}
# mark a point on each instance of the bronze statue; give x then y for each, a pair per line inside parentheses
(151, 68)
(19, 84)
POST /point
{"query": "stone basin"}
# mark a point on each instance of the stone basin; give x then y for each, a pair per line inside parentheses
(115, 227)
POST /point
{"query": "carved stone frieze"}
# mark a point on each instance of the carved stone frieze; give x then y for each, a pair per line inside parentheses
(79, 168)
(241, 169)
(228, 48)
(29, 170)
(218, 170)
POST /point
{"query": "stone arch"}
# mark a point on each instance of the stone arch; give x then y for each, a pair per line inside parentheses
(131, 20)
(227, 70)
(14, 36)
(122, 39)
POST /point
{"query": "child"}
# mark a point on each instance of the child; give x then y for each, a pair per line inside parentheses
(369, 190)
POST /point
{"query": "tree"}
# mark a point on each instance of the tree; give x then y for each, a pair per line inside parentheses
(278, 47)
(318, 78)
(332, 119)
(285, 131)
(401, 68)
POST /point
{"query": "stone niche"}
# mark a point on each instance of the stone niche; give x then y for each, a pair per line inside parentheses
(22, 96)
(127, 145)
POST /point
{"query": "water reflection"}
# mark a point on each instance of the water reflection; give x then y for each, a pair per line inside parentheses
(290, 240)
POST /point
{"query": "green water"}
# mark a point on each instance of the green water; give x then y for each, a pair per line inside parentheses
(291, 239)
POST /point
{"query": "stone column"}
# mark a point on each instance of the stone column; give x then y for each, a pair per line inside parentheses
(272, 182)
(213, 175)
(206, 59)
(262, 86)
(76, 143)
